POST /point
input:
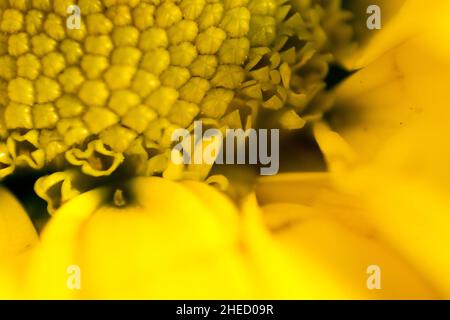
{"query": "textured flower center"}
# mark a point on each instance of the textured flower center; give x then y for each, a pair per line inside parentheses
(115, 89)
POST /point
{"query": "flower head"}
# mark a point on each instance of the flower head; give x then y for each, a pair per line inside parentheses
(116, 88)
(98, 104)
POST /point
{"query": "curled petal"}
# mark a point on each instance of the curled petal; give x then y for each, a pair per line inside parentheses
(157, 164)
(25, 149)
(219, 181)
(7, 165)
(174, 170)
(96, 160)
(58, 188)
(289, 119)
(339, 155)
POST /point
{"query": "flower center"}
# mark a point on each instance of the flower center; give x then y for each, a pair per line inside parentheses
(119, 198)
(114, 90)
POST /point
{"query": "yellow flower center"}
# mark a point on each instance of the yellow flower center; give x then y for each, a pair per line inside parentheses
(115, 89)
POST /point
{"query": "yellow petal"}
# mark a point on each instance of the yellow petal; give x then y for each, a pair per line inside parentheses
(414, 218)
(365, 38)
(17, 236)
(277, 268)
(344, 256)
(167, 243)
(406, 85)
(400, 21)
(308, 186)
(57, 249)
(218, 203)
(338, 154)
(16, 230)
(407, 187)
(332, 231)
(313, 193)
(394, 115)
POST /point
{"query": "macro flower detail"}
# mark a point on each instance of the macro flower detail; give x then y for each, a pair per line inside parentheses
(112, 92)
(98, 200)
(156, 222)
(17, 239)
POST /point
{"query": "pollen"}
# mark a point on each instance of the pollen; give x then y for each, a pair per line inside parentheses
(52, 64)
(125, 36)
(69, 106)
(7, 67)
(71, 79)
(33, 22)
(144, 83)
(21, 90)
(113, 91)
(12, 21)
(122, 100)
(18, 44)
(44, 116)
(47, 89)
(42, 44)
(153, 38)
(54, 26)
(94, 93)
(28, 66)
(101, 45)
(127, 56)
(99, 24)
(93, 65)
(71, 50)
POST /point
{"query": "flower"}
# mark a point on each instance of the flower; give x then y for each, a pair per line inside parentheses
(382, 204)
(158, 239)
(386, 149)
(17, 237)
(308, 214)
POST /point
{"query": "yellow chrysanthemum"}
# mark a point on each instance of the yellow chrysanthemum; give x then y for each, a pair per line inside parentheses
(17, 238)
(382, 202)
(386, 148)
(158, 239)
(112, 91)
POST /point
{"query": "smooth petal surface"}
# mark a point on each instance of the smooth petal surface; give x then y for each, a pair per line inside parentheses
(168, 244)
(408, 84)
(407, 187)
(278, 268)
(314, 192)
(333, 230)
(17, 237)
(403, 176)
(16, 230)
(172, 241)
(363, 36)
(401, 21)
